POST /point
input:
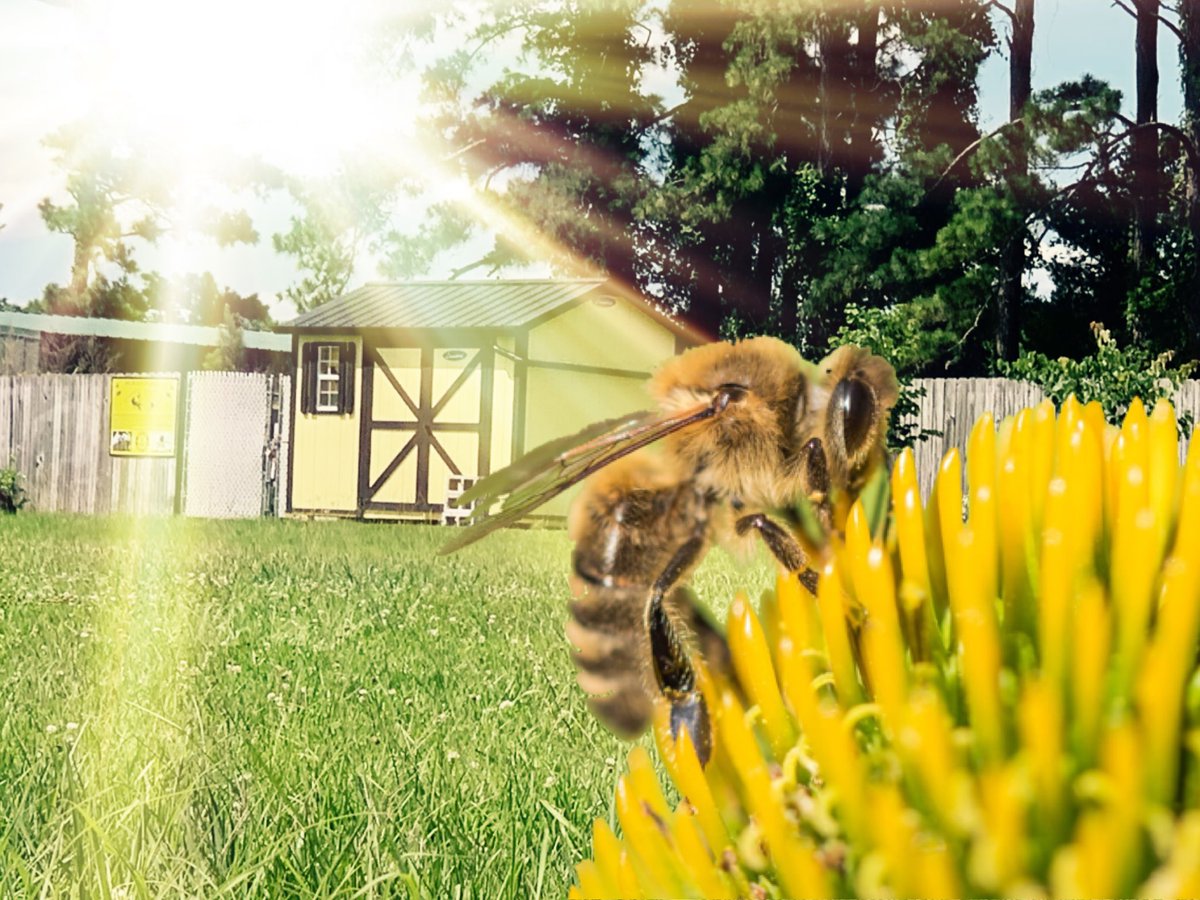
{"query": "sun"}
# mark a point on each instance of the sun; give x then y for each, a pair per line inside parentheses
(215, 100)
(212, 97)
(294, 83)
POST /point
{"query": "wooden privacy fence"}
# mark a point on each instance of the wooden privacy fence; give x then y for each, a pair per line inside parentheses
(55, 430)
(951, 406)
(232, 437)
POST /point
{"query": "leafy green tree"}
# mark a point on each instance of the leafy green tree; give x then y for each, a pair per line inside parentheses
(322, 253)
(883, 254)
(813, 169)
(230, 353)
(557, 146)
(410, 254)
(113, 198)
(117, 199)
(340, 217)
(229, 227)
(774, 125)
(197, 299)
(710, 205)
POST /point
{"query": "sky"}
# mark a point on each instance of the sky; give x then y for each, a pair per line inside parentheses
(288, 81)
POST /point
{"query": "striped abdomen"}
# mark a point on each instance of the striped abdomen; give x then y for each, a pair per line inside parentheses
(627, 525)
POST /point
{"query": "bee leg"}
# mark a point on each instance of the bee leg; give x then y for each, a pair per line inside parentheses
(709, 638)
(669, 657)
(782, 545)
(816, 475)
(816, 469)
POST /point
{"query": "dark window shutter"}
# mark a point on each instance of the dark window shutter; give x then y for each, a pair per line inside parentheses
(308, 378)
(346, 378)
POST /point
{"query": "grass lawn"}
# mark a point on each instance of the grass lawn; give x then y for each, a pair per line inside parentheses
(287, 709)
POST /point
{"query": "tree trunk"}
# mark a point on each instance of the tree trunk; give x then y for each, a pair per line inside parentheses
(1189, 60)
(863, 151)
(1145, 141)
(1020, 88)
(1020, 66)
(80, 275)
(833, 40)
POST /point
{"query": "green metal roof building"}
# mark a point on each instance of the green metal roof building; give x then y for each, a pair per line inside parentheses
(141, 346)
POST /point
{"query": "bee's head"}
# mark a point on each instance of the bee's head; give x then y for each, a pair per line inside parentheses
(756, 383)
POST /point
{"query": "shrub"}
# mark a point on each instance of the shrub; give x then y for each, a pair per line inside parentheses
(12, 493)
(1000, 705)
(1111, 376)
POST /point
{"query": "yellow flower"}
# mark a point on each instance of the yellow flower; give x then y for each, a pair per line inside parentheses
(1001, 702)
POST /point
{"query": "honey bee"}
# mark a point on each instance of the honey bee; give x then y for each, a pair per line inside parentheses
(742, 432)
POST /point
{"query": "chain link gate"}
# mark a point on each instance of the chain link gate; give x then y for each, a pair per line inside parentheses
(235, 444)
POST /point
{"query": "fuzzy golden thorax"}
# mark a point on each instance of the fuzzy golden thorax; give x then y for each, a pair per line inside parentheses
(752, 451)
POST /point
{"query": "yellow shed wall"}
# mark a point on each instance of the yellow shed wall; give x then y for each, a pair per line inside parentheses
(560, 401)
(405, 365)
(503, 395)
(325, 447)
(618, 336)
(563, 402)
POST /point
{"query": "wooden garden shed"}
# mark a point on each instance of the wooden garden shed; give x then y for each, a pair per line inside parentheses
(403, 387)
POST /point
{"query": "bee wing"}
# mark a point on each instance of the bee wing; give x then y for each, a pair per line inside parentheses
(546, 472)
(541, 459)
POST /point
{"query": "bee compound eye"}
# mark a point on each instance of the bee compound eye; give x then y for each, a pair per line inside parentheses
(853, 402)
(734, 392)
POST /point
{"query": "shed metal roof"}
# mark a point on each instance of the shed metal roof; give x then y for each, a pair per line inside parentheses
(447, 304)
(160, 332)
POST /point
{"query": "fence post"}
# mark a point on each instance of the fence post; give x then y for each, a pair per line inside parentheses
(181, 413)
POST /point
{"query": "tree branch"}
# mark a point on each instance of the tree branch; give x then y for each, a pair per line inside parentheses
(1000, 6)
(969, 149)
(467, 149)
(495, 170)
(498, 31)
(1171, 26)
(661, 117)
(1189, 149)
(649, 33)
(966, 334)
(463, 270)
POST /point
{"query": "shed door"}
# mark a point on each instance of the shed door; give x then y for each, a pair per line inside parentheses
(425, 418)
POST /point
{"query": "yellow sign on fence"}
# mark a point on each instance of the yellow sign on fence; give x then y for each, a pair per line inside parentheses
(142, 414)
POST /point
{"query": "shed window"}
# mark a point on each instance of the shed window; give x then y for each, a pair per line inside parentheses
(327, 385)
(327, 378)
